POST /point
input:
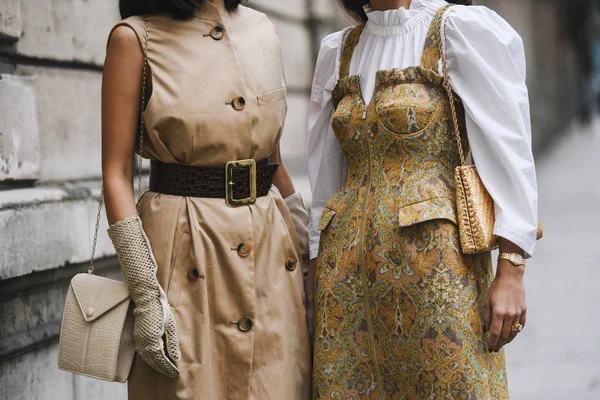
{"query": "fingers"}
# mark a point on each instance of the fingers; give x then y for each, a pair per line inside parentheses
(522, 320)
(513, 333)
(157, 359)
(509, 320)
(519, 320)
(501, 332)
(496, 326)
(487, 316)
(172, 340)
(153, 350)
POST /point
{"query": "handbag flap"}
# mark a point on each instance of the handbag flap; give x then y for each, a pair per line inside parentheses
(97, 295)
(427, 210)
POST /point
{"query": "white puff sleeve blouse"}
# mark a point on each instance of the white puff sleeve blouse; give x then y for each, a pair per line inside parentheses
(486, 64)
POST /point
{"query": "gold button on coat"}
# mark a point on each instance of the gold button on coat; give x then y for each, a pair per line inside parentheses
(217, 33)
(291, 264)
(244, 324)
(238, 103)
(244, 249)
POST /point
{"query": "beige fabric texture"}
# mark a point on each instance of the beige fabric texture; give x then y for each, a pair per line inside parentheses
(211, 286)
(153, 317)
(300, 218)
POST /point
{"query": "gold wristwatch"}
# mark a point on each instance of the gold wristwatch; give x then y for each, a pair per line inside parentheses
(515, 259)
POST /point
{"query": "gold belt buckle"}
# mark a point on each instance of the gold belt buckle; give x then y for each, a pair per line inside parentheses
(229, 199)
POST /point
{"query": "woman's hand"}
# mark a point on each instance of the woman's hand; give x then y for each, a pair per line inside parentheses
(505, 305)
(309, 300)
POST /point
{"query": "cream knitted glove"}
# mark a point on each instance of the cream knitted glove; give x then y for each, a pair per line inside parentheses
(153, 316)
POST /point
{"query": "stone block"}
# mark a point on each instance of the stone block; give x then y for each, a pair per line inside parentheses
(297, 53)
(10, 20)
(36, 376)
(69, 118)
(58, 227)
(19, 145)
(66, 30)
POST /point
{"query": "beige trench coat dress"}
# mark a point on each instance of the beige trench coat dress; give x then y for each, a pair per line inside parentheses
(232, 275)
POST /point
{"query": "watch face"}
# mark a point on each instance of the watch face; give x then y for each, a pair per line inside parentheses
(517, 259)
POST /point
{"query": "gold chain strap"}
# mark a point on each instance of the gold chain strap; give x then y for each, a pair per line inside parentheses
(448, 86)
(91, 268)
(143, 109)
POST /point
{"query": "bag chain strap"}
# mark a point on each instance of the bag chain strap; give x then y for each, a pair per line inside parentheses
(448, 87)
(143, 109)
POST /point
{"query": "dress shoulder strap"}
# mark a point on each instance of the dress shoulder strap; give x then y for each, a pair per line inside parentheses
(431, 54)
(350, 43)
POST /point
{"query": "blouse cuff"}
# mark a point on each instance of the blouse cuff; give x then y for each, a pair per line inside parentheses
(526, 241)
(314, 235)
(314, 250)
(291, 196)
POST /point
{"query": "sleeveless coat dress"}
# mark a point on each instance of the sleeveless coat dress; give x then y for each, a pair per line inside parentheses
(399, 308)
(229, 273)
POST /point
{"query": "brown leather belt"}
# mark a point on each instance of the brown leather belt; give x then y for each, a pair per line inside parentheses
(239, 182)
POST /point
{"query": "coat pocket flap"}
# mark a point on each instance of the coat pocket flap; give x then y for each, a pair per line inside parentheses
(326, 218)
(437, 208)
(271, 97)
(97, 295)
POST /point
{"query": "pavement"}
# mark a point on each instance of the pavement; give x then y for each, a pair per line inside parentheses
(557, 356)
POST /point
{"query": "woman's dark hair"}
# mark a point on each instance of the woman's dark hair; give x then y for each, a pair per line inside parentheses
(356, 11)
(180, 9)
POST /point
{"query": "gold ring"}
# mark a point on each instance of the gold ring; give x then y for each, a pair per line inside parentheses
(516, 328)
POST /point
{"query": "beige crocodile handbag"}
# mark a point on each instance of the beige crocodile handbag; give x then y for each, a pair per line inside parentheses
(96, 336)
(474, 205)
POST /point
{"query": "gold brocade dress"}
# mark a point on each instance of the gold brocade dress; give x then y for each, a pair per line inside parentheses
(399, 308)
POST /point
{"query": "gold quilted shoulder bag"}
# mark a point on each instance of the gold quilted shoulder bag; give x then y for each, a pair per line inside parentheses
(96, 336)
(474, 205)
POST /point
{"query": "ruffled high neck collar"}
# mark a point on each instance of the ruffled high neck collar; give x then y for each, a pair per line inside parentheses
(394, 22)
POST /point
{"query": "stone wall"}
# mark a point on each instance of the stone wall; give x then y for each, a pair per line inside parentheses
(51, 55)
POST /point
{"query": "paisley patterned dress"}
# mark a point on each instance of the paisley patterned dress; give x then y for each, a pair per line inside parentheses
(399, 308)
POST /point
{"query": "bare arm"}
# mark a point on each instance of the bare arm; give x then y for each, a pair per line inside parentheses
(506, 303)
(121, 101)
(282, 178)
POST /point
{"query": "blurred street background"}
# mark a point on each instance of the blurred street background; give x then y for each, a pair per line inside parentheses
(51, 56)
